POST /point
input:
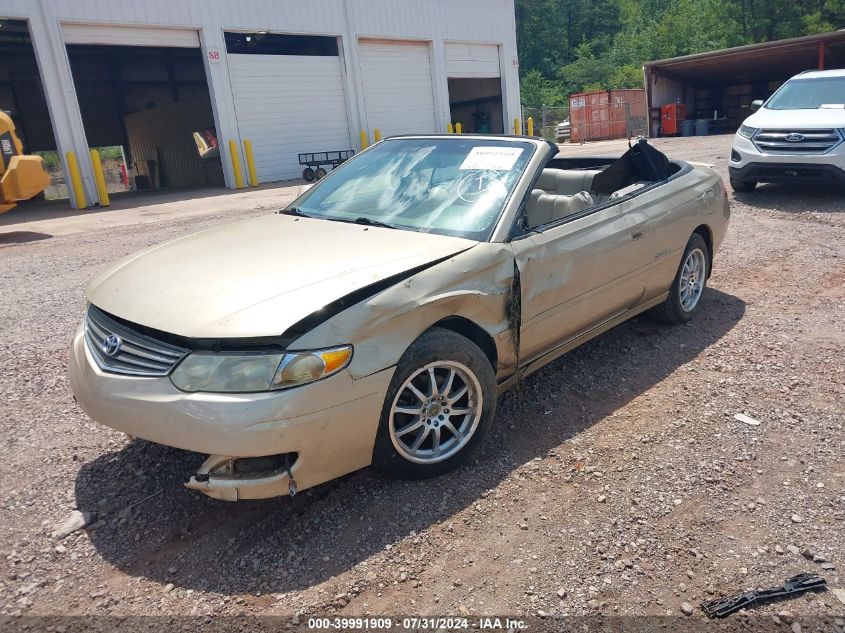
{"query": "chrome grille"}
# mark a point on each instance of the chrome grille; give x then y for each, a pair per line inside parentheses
(134, 355)
(797, 141)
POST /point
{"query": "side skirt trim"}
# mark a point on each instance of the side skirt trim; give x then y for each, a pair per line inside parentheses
(570, 344)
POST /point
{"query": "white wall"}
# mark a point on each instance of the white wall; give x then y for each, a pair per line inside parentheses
(436, 21)
(664, 91)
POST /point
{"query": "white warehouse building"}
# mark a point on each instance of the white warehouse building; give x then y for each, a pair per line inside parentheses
(158, 79)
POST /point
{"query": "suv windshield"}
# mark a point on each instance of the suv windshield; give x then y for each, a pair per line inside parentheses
(809, 94)
(453, 186)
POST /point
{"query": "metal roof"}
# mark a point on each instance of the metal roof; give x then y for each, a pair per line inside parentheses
(776, 60)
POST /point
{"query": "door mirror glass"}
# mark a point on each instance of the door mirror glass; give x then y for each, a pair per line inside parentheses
(756, 105)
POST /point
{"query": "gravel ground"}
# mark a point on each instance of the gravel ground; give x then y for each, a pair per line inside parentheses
(617, 483)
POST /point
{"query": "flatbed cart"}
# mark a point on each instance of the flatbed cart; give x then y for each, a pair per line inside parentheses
(318, 159)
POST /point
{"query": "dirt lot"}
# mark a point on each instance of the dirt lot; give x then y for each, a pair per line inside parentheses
(618, 483)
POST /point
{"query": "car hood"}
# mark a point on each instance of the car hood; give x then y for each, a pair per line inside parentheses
(258, 277)
(797, 119)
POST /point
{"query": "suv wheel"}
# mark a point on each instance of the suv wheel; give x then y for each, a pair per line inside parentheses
(743, 185)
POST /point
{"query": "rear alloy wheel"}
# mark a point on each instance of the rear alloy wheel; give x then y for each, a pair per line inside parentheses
(439, 406)
(743, 185)
(688, 285)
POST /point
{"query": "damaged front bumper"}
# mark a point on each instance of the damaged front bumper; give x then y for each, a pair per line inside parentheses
(223, 477)
(322, 430)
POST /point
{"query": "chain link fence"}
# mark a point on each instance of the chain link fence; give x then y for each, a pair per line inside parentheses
(546, 120)
(618, 118)
(614, 120)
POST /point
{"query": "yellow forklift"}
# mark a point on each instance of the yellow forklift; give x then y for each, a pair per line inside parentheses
(21, 177)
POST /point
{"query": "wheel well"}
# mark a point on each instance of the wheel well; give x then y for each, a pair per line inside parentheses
(473, 332)
(704, 231)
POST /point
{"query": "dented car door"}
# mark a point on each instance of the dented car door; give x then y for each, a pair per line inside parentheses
(578, 274)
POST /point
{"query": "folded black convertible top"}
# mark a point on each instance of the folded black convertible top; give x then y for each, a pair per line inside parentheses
(641, 162)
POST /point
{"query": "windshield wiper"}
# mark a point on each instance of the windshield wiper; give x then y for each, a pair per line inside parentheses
(361, 220)
(369, 222)
(294, 211)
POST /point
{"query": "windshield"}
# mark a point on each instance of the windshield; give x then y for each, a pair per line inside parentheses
(809, 94)
(453, 186)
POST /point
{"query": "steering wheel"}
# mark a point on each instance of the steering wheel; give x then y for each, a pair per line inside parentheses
(477, 183)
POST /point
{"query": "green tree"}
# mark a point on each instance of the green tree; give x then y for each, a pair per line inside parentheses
(568, 46)
(538, 91)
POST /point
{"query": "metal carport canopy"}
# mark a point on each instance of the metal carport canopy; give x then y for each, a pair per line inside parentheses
(755, 63)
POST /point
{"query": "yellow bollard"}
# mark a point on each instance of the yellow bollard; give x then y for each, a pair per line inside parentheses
(365, 142)
(450, 129)
(458, 128)
(99, 178)
(250, 163)
(76, 180)
(376, 135)
(530, 123)
(236, 164)
(517, 129)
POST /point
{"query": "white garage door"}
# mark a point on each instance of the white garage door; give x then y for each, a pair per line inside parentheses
(286, 105)
(398, 93)
(465, 60)
(129, 35)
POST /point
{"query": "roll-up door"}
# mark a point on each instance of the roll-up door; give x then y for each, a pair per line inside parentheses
(287, 105)
(398, 91)
(465, 60)
(129, 35)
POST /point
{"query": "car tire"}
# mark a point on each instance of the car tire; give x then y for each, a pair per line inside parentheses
(743, 185)
(321, 173)
(433, 413)
(688, 285)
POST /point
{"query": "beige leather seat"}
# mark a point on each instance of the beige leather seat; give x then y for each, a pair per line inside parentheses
(566, 182)
(543, 207)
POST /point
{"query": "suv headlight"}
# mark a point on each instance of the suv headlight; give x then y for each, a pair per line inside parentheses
(747, 131)
(251, 372)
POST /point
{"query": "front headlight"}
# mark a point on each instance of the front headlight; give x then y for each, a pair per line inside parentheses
(251, 372)
(747, 131)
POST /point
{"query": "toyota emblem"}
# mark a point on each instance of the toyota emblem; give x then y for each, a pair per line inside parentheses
(111, 346)
(794, 137)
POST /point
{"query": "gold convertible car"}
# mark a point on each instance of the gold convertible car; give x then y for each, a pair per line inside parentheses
(376, 319)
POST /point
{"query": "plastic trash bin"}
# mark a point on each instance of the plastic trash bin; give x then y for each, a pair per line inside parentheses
(702, 127)
(688, 128)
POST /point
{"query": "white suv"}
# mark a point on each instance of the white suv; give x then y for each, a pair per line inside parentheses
(797, 135)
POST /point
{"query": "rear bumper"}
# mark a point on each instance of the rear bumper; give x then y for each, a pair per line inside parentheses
(331, 424)
(788, 172)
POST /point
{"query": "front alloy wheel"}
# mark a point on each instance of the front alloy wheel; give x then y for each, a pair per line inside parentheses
(435, 412)
(438, 408)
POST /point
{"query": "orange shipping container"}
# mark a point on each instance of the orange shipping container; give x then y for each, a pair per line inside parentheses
(632, 114)
(606, 114)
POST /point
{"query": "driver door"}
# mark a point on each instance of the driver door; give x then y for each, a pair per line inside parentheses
(579, 274)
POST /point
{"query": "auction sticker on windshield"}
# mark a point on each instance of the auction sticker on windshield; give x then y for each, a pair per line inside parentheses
(495, 158)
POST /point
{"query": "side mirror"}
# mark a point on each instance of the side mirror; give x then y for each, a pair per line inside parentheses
(756, 105)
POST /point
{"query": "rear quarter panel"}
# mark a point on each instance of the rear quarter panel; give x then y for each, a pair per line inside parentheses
(675, 210)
